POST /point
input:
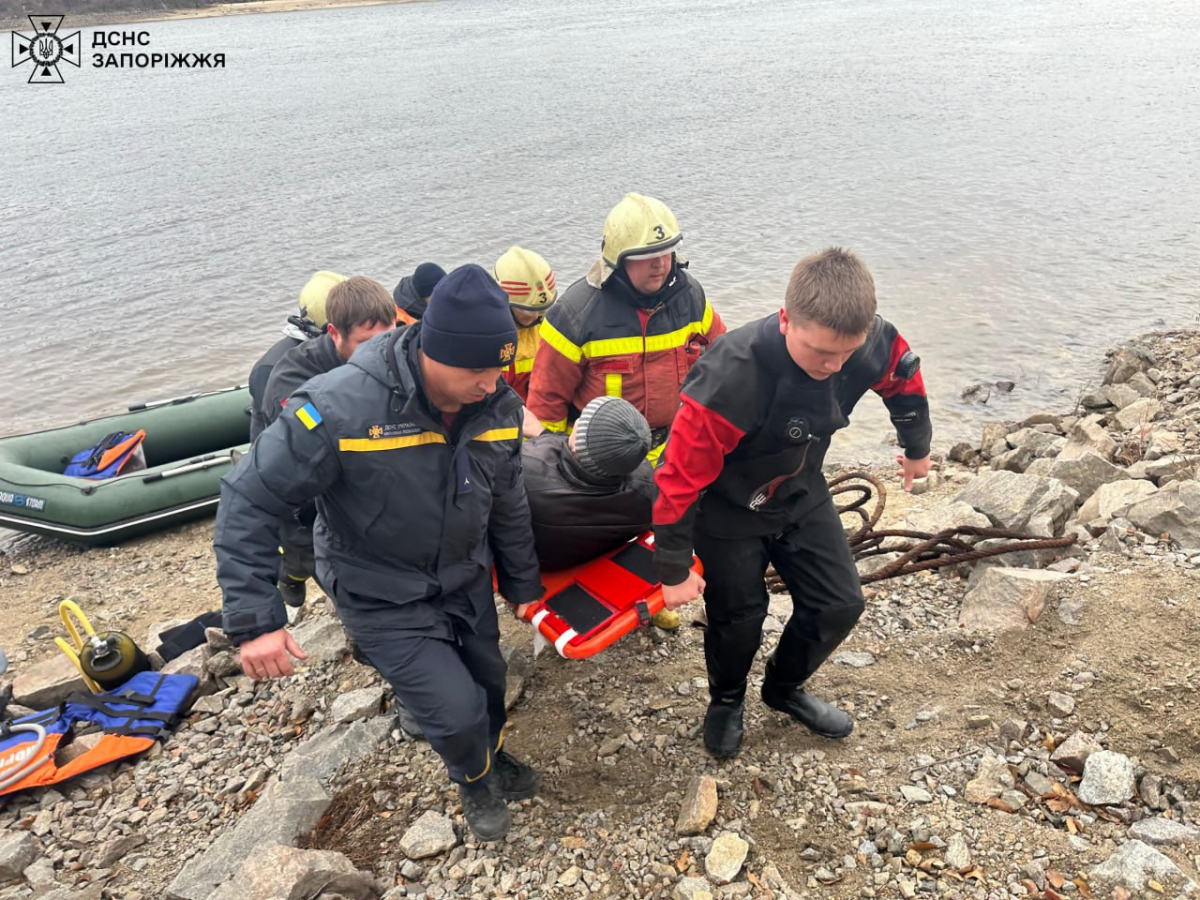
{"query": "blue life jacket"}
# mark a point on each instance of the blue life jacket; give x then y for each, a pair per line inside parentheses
(107, 458)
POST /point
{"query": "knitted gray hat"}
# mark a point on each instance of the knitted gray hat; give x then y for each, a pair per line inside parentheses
(611, 437)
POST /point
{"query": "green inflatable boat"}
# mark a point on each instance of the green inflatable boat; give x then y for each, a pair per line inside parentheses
(190, 443)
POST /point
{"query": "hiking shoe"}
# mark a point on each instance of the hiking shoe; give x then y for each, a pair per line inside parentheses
(407, 724)
(666, 619)
(486, 814)
(515, 780)
(293, 590)
(813, 713)
(723, 729)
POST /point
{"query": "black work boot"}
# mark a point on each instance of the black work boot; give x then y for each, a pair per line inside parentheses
(515, 780)
(406, 723)
(813, 713)
(723, 730)
(293, 590)
(486, 814)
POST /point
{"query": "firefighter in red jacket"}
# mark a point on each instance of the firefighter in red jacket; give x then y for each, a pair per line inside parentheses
(529, 282)
(741, 482)
(631, 328)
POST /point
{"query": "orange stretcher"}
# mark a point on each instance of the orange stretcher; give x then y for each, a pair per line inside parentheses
(588, 607)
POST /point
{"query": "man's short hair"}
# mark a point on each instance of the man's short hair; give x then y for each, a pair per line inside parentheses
(359, 301)
(832, 288)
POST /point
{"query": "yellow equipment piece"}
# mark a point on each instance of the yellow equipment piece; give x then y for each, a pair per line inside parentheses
(314, 294)
(638, 226)
(105, 661)
(527, 279)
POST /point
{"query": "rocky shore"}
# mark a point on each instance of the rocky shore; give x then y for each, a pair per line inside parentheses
(1028, 727)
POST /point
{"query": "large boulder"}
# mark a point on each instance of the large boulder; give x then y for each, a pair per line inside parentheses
(943, 518)
(1138, 414)
(1168, 468)
(276, 872)
(1088, 436)
(48, 683)
(1006, 599)
(1135, 864)
(1124, 365)
(1111, 500)
(1173, 509)
(1121, 395)
(1086, 473)
(1021, 502)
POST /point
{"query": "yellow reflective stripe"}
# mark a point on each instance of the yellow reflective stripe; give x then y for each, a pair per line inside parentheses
(366, 445)
(487, 768)
(498, 434)
(523, 365)
(613, 347)
(672, 339)
(559, 342)
(612, 384)
(655, 455)
(560, 426)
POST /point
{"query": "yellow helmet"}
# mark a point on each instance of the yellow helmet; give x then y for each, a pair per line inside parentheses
(314, 294)
(638, 226)
(527, 279)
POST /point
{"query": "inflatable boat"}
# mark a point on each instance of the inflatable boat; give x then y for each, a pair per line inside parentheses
(189, 444)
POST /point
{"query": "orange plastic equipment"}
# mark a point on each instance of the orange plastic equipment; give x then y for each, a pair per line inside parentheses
(588, 607)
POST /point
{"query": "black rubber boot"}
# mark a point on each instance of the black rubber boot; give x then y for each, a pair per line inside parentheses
(813, 713)
(515, 780)
(407, 724)
(486, 814)
(723, 729)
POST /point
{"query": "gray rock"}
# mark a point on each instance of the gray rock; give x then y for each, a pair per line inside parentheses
(1137, 415)
(193, 662)
(217, 640)
(1060, 705)
(1124, 365)
(1163, 443)
(1040, 467)
(115, 850)
(1107, 779)
(430, 835)
(1121, 395)
(1039, 783)
(514, 687)
(323, 639)
(40, 873)
(992, 779)
(869, 565)
(358, 704)
(224, 663)
(1113, 499)
(958, 854)
(1165, 832)
(1073, 753)
(914, 794)
(1017, 460)
(929, 483)
(1088, 436)
(1133, 865)
(276, 872)
(1007, 598)
(17, 852)
(1021, 502)
(1085, 474)
(517, 660)
(1013, 730)
(699, 806)
(856, 659)
(48, 683)
(325, 752)
(1168, 468)
(282, 813)
(1144, 383)
(692, 889)
(1173, 509)
(154, 632)
(726, 858)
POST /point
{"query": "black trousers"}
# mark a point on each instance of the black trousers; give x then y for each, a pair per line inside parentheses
(453, 686)
(814, 560)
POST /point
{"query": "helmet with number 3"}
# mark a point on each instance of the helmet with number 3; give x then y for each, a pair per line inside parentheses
(527, 279)
(638, 228)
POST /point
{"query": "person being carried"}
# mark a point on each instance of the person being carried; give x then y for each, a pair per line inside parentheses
(592, 491)
(631, 328)
(529, 282)
(357, 310)
(412, 293)
(741, 482)
(412, 453)
(307, 323)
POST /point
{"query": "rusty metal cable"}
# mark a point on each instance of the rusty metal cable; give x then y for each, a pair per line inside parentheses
(921, 550)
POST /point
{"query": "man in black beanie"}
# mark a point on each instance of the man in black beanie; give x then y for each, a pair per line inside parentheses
(411, 452)
(413, 292)
(593, 491)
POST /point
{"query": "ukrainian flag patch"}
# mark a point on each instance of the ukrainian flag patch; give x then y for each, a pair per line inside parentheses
(309, 416)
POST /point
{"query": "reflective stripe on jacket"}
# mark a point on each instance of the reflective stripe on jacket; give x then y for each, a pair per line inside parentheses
(520, 369)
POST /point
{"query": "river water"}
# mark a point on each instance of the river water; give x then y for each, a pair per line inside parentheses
(1022, 178)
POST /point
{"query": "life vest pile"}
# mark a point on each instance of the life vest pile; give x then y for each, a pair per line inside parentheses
(115, 453)
(131, 718)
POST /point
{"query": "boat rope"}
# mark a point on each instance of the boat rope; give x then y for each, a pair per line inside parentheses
(919, 550)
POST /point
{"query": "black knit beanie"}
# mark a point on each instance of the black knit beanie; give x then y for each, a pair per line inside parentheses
(426, 278)
(468, 324)
(611, 437)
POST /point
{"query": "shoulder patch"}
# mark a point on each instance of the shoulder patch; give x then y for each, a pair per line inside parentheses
(309, 415)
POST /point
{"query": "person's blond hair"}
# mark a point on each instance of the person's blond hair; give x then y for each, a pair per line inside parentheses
(832, 288)
(359, 301)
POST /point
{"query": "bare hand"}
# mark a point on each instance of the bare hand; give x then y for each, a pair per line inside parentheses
(519, 609)
(270, 655)
(911, 468)
(676, 595)
(531, 425)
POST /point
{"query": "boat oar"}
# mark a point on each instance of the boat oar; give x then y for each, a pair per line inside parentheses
(194, 466)
(151, 404)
